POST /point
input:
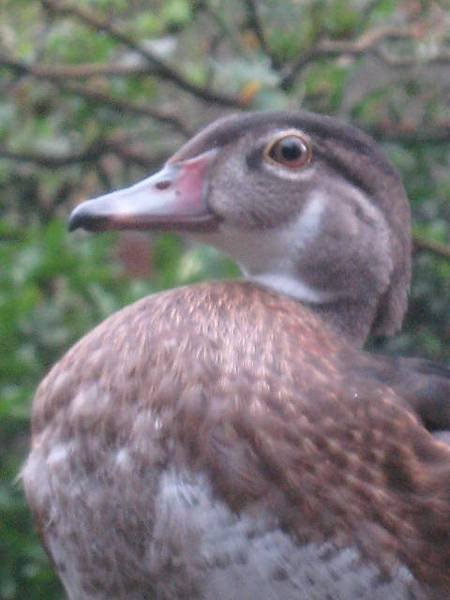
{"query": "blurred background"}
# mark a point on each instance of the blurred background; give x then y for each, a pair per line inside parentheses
(95, 94)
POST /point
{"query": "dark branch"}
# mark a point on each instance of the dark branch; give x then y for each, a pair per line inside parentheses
(52, 161)
(365, 44)
(164, 71)
(413, 136)
(254, 22)
(440, 58)
(22, 69)
(123, 149)
(120, 105)
(82, 71)
(422, 244)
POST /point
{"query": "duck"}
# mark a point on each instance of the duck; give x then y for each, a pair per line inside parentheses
(232, 440)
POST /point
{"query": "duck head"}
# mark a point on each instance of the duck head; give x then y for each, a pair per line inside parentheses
(306, 205)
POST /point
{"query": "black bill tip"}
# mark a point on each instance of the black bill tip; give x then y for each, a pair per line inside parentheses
(83, 217)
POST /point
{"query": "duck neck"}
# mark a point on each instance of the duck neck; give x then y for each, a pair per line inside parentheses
(347, 316)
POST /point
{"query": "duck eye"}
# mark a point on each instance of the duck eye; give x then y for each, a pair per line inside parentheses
(291, 151)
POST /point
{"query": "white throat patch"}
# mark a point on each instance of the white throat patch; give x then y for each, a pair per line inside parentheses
(271, 256)
(294, 287)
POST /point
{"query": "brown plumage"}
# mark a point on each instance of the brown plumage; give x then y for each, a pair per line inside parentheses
(227, 441)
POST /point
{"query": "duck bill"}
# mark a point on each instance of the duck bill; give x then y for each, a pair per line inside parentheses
(172, 199)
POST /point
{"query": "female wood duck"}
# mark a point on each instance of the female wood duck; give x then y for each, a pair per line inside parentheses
(231, 440)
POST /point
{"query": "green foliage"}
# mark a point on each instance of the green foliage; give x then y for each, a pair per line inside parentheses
(65, 137)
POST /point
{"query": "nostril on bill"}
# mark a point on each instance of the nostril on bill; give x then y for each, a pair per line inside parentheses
(162, 185)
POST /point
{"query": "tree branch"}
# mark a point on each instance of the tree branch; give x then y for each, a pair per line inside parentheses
(414, 135)
(81, 71)
(422, 244)
(52, 161)
(144, 110)
(164, 71)
(367, 42)
(254, 22)
(440, 58)
(123, 149)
